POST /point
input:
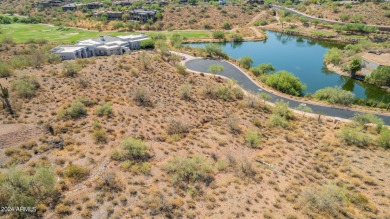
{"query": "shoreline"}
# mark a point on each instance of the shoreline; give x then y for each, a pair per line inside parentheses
(334, 39)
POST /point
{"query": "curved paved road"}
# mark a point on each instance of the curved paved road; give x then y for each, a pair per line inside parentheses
(232, 72)
(380, 27)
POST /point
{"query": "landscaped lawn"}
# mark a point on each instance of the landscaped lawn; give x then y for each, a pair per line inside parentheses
(322, 33)
(23, 32)
(353, 36)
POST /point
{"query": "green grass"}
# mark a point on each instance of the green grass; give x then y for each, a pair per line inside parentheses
(23, 32)
(322, 33)
(293, 28)
(353, 36)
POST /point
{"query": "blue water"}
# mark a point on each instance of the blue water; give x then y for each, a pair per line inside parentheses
(304, 58)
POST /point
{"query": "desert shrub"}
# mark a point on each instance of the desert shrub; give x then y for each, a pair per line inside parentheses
(215, 50)
(135, 148)
(185, 91)
(237, 37)
(363, 119)
(5, 70)
(285, 82)
(142, 97)
(109, 182)
(75, 110)
(245, 168)
(252, 138)
(282, 109)
(354, 136)
(262, 69)
(333, 56)
(330, 200)
(384, 138)
(261, 22)
(188, 170)
(100, 136)
(118, 25)
(104, 110)
(76, 172)
(335, 95)
(27, 189)
(181, 69)
(245, 61)
(227, 93)
(226, 26)
(233, 124)
(380, 76)
(159, 36)
(177, 127)
(278, 121)
(344, 17)
(327, 201)
(25, 86)
(218, 35)
(71, 69)
(176, 40)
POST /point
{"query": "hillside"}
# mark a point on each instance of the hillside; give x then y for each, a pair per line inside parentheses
(242, 165)
(368, 12)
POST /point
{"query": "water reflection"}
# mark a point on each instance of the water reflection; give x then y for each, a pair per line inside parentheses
(304, 58)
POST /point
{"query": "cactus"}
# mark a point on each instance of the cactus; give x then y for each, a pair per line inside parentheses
(4, 95)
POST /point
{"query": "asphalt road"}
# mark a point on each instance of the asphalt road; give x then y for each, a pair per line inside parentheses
(232, 72)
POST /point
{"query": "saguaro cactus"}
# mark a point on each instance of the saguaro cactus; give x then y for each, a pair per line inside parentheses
(4, 97)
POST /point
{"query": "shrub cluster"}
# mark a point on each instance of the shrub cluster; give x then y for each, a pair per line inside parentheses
(188, 170)
(75, 110)
(285, 82)
(25, 86)
(335, 95)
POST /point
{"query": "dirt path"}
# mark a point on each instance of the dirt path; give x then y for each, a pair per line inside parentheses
(256, 18)
(257, 32)
(14, 134)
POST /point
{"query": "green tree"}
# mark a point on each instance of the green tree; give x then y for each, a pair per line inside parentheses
(333, 56)
(335, 95)
(135, 148)
(226, 26)
(355, 66)
(285, 82)
(188, 170)
(218, 35)
(262, 69)
(215, 50)
(215, 69)
(245, 61)
(380, 76)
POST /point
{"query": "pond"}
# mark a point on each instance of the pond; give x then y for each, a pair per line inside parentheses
(304, 58)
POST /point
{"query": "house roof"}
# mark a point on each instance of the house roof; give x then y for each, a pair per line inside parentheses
(382, 59)
(67, 48)
(106, 39)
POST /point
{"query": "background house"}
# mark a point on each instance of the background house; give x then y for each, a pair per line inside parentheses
(101, 46)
